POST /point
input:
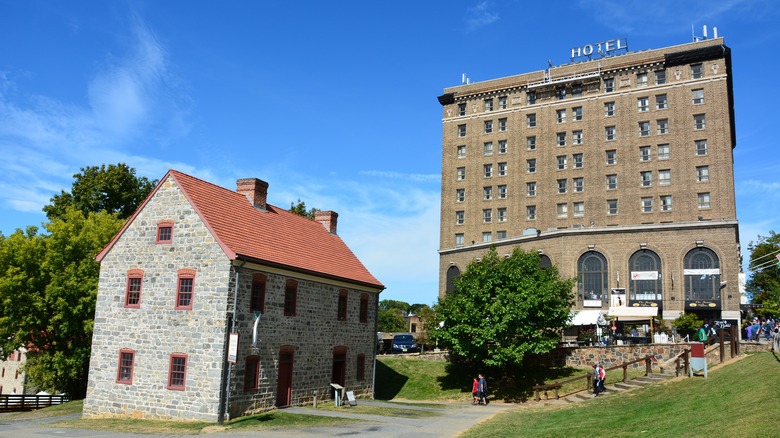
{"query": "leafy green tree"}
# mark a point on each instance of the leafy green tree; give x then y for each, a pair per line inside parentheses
(114, 188)
(393, 304)
(503, 309)
(391, 321)
(300, 209)
(764, 283)
(688, 324)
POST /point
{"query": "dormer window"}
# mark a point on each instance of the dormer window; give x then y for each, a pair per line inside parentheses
(164, 232)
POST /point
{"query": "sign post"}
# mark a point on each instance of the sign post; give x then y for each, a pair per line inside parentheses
(698, 359)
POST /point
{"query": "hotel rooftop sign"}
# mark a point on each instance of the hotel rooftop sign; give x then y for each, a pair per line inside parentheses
(599, 50)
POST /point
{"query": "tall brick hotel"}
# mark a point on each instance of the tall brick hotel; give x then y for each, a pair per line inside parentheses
(617, 168)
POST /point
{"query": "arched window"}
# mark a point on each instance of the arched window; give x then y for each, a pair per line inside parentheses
(544, 262)
(702, 275)
(452, 274)
(592, 285)
(644, 268)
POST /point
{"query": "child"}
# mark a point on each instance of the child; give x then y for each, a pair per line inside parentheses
(475, 391)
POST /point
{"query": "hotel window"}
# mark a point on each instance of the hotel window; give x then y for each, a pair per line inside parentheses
(501, 214)
(577, 137)
(561, 138)
(530, 120)
(704, 200)
(609, 109)
(502, 147)
(461, 173)
(488, 148)
(502, 169)
(644, 129)
(530, 188)
(560, 93)
(124, 372)
(702, 173)
(701, 147)
(562, 210)
(612, 206)
(462, 151)
(562, 186)
(647, 178)
(488, 104)
(578, 163)
(185, 289)
(341, 307)
(561, 159)
(647, 205)
(461, 109)
(290, 297)
(609, 85)
(610, 133)
(699, 121)
(502, 102)
(164, 232)
(488, 126)
(641, 79)
(502, 191)
(665, 177)
(459, 239)
(579, 209)
(530, 143)
(666, 203)
(530, 212)
(697, 71)
(502, 124)
(460, 217)
(698, 96)
(661, 101)
(257, 298)
(612, 182)
(576, 91)
(579, 184)
(530, 165)
(660, 77)
(364, 308)
(487, 170)
(487, 215)
(487, 236)
(531, 97)
(644, 153)
(611, 157)
(663, 126)
(664, 151)
(177, 372)
(487, 193)
(560, 115)
(251, 373)
(500, 235)
(642, 104)
(461, 130)
(460, 195)
(135, 279)
(576, 113)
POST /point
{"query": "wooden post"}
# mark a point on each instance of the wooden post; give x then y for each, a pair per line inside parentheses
(722, 336)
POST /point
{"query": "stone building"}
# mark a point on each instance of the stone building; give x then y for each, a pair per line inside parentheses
(617, 170)
(214, 304)
(13, 380)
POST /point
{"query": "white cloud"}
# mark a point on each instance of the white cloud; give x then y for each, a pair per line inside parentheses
(481, 15)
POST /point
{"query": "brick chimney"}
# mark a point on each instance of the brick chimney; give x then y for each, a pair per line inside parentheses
(255, 190)
(328, 219)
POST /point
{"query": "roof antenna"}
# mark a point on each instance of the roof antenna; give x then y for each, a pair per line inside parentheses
(464, 80)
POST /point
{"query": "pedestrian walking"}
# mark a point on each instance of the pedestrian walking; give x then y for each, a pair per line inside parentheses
(475, 391)
(483, 390)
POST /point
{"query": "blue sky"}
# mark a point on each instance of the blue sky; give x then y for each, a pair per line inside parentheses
(333, 103)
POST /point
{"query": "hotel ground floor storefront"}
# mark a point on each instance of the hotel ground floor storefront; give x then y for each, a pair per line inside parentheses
(674, 268)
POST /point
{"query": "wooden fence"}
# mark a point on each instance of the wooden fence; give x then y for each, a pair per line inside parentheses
(20, 402)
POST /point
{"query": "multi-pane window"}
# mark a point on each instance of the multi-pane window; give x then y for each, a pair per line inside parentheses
(641, 79)
(502, 147)
(697, 71)
(612, 182)
(257, 298)
(488, 126)
(460, 217)
(666, 202)
(290, 297)
(500, 235)
(579, 184)
(579, 209)
(609, 85)
(576, 90)
(502, 124)
(530, 165)
(561, 138)
(701, 147)
(461, 130)
(665, 177)
(560, 93)
(702, 173)
(698, 96)
(530, 142)
(461, 109)
(644, 129)
(341, 312)
(642, 104)
(612, 206)
(487, 170)
(164, 232)
(502, 191)
(135, 278)
(501, 214)
(530, 188)
(124, 372)
(562, 210)
(488, 104)
(502, 102)
(704, 200)
(609, 109)
(487, 215)
(664, 151)
(461, 173)
(487, 236)
(647, 178)
(487, 193)
(184, 289)
(488, 148)
(647, 205)
(576, 137)
(576, 113)
(611, 156)
(561, 159)
(177, 372)
(502, 169)
(644, 153)
(562, 185)
(530, 120)
(578, 163)
(560, 115)
(460, 195)
(661, 101)
(251, 373)
(462, 151)
(530, 212)
(531, 97)
(699, 121)
(660, 77)
(459, 239)
(610, 133)
(663, 126)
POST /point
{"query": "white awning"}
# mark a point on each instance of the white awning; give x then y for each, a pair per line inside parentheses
(633, 313)
(585, 317)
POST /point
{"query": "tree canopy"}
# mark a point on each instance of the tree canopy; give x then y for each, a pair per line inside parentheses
(764, 283)
(503, 309)
(300, 209)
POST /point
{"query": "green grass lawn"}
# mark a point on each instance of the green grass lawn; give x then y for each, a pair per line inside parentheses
(734, 401)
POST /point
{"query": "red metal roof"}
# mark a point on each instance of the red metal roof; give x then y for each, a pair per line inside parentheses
(273, 236)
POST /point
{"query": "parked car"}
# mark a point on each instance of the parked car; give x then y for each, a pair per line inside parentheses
(404, 343)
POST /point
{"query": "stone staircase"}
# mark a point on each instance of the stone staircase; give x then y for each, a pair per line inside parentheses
(612, 388)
